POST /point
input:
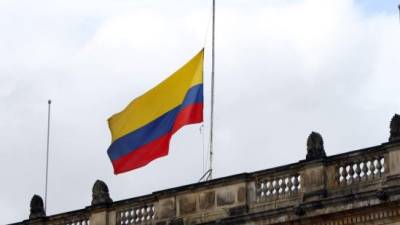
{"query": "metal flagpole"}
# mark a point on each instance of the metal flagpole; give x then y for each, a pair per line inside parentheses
(208, 174)
(47, 156)
(212, 91)
(399, 11)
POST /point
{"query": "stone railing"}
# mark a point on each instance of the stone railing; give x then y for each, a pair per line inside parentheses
(361, 168)
(278, 186)
(133, 213)
(81, 217)
(284, 193)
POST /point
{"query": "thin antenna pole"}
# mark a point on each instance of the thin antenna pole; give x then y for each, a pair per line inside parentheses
(399, 12)
(47, 156)
(212, 90)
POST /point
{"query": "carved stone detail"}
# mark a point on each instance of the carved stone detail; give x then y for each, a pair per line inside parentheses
(395, 128)
(100, 194)
(382, 195)
(315, 147)
(299, 210)
(37, 208)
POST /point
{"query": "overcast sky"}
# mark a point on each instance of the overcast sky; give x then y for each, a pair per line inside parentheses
(284, 68)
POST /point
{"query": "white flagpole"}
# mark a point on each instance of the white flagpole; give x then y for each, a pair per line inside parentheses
(47, 157)
(212, 91)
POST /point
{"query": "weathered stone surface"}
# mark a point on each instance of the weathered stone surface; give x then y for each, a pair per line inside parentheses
(392, 161)
(241, 194)
(187, 204)
(112, 218)
(239, 210)
(332, 191)
(251, 194)
(299, 210)
(226, 197)
(313, 180)
(100, 194)
(166, 208)
(315, 147)
(98, 218)
(177, 222)
(382, 195)
(207, 200)
(37, 207)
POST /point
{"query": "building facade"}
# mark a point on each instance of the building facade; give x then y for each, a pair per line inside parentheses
(358, 187)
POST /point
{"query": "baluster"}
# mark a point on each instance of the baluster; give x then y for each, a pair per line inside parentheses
(137, 215)
(270, 188)
(383, 164)
(134, 217)
(122, 217)
(344, 174)
(276, 187)
(351, 173)
(144, 213)
(132, 213)
(283, 186)
(153, 212)
(290, 185)
(262, 190)
(265, 189)
(364, 170)
(358, 171)
(296, 183)
(372, 168)
(379, 167)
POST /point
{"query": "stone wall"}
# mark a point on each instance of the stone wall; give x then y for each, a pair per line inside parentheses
(359, 187)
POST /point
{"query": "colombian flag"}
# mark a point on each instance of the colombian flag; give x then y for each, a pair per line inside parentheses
(142, 131)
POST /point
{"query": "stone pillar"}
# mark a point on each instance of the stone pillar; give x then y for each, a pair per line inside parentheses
(100, 216)
(313, 175)
(100, 213)
(392, 161)
(165, 210)
(392, 157)
(313, 181)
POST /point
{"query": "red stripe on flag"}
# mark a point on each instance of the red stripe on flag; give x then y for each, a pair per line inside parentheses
(159, 147)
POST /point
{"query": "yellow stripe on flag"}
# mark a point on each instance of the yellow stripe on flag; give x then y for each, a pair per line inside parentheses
(164, 97)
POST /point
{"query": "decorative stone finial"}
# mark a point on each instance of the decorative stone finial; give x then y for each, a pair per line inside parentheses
(315, 147)
(395, 128)
(37, 208)
(100, 194)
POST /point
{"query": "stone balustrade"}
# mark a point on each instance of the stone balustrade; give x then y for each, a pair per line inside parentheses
(302, 191)
(136, 212)
(80, 217)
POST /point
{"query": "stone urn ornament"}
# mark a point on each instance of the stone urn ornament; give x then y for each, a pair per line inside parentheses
(395, 128)
(315, 147)
(37, 207)
(100, 193)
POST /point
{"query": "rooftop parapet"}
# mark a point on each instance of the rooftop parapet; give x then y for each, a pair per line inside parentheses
(305, 191)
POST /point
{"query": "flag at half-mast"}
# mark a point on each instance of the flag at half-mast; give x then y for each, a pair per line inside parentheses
(142, 131)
